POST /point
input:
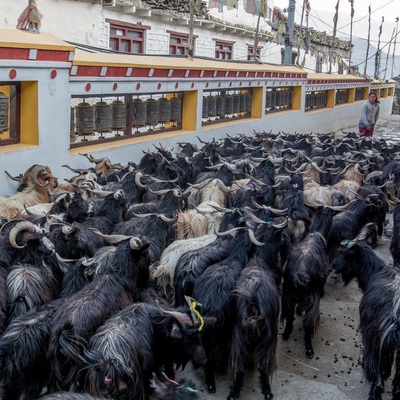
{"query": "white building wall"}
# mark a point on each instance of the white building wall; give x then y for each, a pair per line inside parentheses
(85, 23)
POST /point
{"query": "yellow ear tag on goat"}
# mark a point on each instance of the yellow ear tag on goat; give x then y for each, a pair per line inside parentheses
(197, 314)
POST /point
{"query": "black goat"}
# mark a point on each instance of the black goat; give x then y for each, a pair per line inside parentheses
(108, 293)
(255, 331)
(378, 312)
(395, 241)
(34, 275)
(213, 289)
(24, 367)
(124, 351)
(305, 273)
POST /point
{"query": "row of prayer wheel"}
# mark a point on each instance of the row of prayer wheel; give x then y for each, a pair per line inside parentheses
(278, 98)
(104, 117)
(220, 105)
(4, 106)
(316, 99)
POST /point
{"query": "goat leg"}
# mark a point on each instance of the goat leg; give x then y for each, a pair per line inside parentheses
(396, 380)
(288, 308)
(265, 385)
(210, 375)
(376, 390)
(236, 386)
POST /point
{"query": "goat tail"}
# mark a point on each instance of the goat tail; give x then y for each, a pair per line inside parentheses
(311, 307)
(72, 346)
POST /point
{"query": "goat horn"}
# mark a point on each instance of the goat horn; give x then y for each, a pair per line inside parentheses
(67, 230)
(201, 185)
(92, 159)
(11, 221)
(135, 243)
(138, 183)
(20, 227)
(253, 238)
(18, 178)
(113, 239)
(35, 171)
(222, 186)
(282, 225)
(182, 318)
(230, 231)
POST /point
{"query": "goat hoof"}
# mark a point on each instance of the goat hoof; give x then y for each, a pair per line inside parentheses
(211, 389)
(268, 396)
(309, 354)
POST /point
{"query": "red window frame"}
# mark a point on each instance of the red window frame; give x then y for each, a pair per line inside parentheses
(181, 44)
(131, 38)
(223, 49)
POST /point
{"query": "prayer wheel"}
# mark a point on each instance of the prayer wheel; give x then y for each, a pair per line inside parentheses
(3, 112)
(242, 105)
(152, 111)
(229, 104)
(118, 115)
(84, 119)
(176, 109)
(212, 106)
(220, 105)
(138, 113)
(102, 116)
(204, 113)
(165, 110)
(248, 102)
(236, 103)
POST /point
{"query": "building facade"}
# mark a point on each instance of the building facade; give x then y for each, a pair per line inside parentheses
(222, 29)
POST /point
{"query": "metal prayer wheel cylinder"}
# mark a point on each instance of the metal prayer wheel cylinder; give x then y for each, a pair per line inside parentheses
(212, 106)
(165, 110)
(268, 99)
(138, 113)
(176, 109)
(84, 119)
(102, 116)
(290, 100)
(236, 103)
(242, 102)
(204, 113)
(273, 99)
(3, 112)
(278, 98)
(152, 112)
(229, 104)
(118, 115)
(248, 102)
(220, 105)
(71, 122)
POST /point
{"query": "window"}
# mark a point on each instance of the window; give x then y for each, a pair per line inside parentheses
(179, 43)
(127, 38)
(250, 52)
(10, 101)
(293, 59)
(318, 65)
(223, 50)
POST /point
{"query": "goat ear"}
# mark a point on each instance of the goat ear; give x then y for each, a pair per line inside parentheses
(209, 322)
(175, 332)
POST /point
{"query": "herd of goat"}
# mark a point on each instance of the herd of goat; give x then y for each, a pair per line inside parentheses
(117, 277)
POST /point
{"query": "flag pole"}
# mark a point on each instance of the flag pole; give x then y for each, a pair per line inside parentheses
(301, 33)
(190, 47)
(378, 52)
(256, 36)
(369, 36)
(336, 17)
(394, 44)
(289, 32)
(388, 52)
(351, 32)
